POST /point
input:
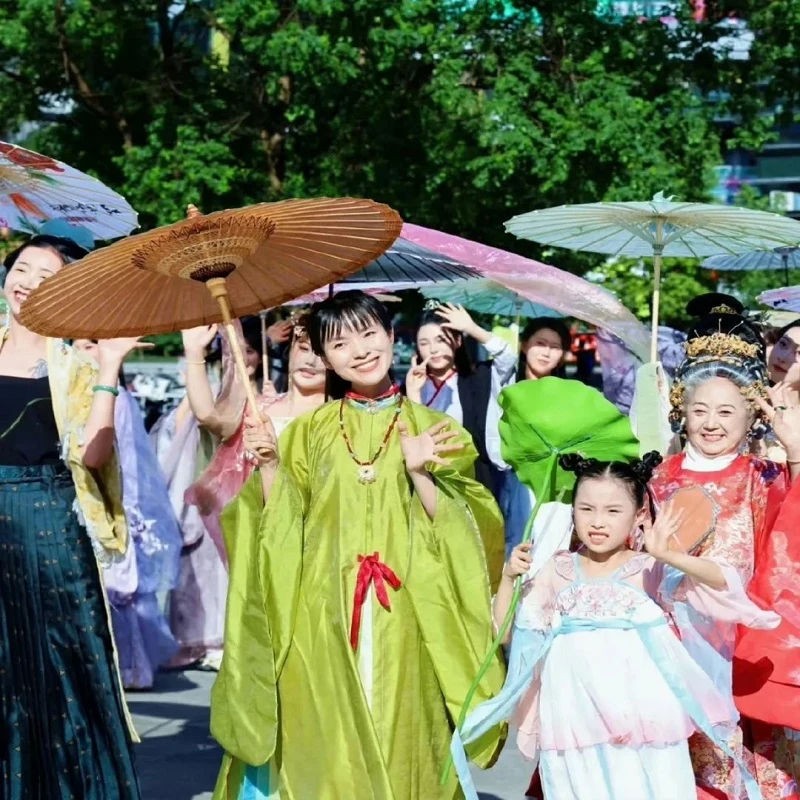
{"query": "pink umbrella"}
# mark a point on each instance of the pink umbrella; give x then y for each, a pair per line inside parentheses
(540, 283)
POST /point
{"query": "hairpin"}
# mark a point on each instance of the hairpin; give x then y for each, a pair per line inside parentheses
(723, 309)
(299, 320)
(721, 344)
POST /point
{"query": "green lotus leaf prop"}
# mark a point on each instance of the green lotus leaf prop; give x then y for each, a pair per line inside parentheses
(543, 420)
(548, 418)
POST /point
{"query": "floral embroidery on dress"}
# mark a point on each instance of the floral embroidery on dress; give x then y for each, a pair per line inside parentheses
(601, 599)
(741, 496)
(71, 375)
(744, 541)
(141, 530)
(535, 612)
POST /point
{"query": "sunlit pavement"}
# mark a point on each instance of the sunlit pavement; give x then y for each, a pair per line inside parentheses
(178, 759)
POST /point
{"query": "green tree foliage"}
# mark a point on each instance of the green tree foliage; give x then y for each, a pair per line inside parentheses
(459, 113)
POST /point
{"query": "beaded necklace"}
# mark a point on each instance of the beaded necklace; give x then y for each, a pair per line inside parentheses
(366, 469)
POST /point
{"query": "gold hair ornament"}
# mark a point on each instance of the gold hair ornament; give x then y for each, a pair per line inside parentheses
(724, 310)
(719, 345)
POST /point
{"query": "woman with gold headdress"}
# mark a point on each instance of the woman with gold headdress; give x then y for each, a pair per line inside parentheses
(720, 404)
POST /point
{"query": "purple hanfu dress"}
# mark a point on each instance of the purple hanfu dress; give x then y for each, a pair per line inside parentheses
(150, 566)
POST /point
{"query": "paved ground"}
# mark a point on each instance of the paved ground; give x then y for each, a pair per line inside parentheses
(178, 759)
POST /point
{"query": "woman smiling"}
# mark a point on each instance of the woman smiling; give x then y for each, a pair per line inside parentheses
(361, 561)
(63, 731)
(720, 404)
(444, 378)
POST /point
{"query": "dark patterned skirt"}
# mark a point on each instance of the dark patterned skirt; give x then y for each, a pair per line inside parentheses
(63, 734)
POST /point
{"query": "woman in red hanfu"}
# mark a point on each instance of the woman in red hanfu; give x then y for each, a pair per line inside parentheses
(720, 403)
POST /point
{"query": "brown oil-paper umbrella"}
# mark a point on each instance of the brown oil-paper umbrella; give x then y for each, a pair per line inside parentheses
(207, 269)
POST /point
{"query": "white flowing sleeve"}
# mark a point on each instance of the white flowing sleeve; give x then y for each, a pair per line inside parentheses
(730, 604)
(504, 362)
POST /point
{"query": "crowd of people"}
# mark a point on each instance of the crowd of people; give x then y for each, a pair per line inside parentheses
(344, 558)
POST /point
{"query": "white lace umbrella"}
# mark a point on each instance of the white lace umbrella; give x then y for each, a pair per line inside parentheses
(657, 228)
(36, 188)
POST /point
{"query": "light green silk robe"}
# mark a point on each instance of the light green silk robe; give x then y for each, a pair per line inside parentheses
(290, 691)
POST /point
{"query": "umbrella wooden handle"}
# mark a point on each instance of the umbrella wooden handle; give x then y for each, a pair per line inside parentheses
(658, 250)
(219, 291)
(654, 354)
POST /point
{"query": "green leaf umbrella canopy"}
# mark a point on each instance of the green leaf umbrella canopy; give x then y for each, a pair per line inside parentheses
(546, 418)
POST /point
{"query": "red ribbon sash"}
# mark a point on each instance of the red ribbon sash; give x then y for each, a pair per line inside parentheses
(371, 571)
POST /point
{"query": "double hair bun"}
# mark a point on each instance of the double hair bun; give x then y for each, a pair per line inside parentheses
(642, 468)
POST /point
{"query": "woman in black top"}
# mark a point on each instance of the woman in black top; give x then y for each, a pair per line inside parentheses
(443, 377)
(62, 714)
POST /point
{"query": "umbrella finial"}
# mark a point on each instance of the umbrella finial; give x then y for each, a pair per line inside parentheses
(659, 197)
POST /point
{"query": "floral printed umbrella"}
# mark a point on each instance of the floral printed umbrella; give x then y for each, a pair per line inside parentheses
(36, 188)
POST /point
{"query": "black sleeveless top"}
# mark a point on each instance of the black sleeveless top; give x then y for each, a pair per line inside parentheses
(28, 432)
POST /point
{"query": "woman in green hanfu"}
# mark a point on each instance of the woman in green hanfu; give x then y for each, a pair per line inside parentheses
(362, 558)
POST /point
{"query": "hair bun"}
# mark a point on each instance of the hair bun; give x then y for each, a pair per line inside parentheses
(644, 467)
(575, 462)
